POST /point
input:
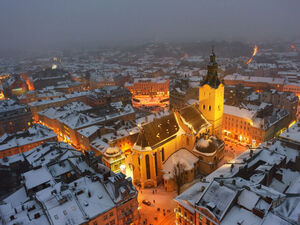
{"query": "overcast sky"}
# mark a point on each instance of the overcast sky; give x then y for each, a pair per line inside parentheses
(40, 23)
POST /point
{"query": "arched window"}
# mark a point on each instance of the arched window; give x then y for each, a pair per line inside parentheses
(148, 166)
(203, 107)
(187, 141)
(162, 154)
(209, 108)
(155, 161)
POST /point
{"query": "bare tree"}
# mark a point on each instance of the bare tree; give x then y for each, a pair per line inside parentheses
(179, 175)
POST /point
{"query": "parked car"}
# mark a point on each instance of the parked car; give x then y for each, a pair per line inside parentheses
(148, 203)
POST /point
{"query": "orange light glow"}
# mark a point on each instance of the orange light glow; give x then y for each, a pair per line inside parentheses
(293, 48)
(249, 61)
(28, 82)
(185, 55)
(255, 50)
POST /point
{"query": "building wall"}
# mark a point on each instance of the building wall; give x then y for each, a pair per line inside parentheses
(170, 185)
(149, 88)
(163, 152)
(211, 102)
(238, 128)
(15, 121)
(209, 163)
(242, 129)
(128, 212)
(280, 100)
(184, 216)
(107, 218)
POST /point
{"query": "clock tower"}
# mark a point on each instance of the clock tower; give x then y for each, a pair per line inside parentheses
(211, 96)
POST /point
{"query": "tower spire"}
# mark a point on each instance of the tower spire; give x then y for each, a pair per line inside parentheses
(212, 78)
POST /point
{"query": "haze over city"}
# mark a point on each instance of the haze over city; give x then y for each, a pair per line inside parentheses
(157, 112)
(58, 24)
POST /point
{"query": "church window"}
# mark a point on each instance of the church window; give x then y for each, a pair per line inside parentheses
(187, 141)
(148, 166)
(209, 108)
(163, 154)
(203, 107)
(155, 158)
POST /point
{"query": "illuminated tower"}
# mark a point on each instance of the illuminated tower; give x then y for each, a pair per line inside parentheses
(211, 97)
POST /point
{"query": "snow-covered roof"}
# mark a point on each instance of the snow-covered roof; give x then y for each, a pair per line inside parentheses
(183, 157)
(239, 112)
(238, 215)
(217, 199)
(88, 131)
(34, 134)
(34, 178)
(239, 77)
(292, 133)
(247, 199)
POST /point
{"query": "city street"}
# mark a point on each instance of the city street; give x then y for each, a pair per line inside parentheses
(160, 212)
(232, 150)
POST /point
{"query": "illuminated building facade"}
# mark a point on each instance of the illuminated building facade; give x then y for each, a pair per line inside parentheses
(181, 129)
(254, 126)
(211, 97)
(149, 92)
(114, 159)
(161, 138)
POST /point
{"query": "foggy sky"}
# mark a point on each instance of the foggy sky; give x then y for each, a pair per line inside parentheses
(26, 24)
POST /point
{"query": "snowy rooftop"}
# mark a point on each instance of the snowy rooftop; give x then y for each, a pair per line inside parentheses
(239, 112)
(76, 202)
(217, 198)
(33, 134)
(49, 152)
(182, 156)
(77, 120)
(34, 178)
(57, 112)
(10, 105)
(87, 132)
(238, 215)
(47, 101)
(292, 133)
(254, 79)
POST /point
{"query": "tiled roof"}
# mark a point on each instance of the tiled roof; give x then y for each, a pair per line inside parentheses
(192, 115)
(157, 131)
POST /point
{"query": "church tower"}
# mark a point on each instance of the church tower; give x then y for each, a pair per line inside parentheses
(211, 97)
